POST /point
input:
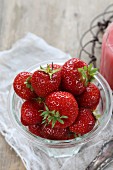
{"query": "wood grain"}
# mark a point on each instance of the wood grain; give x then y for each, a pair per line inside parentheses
(60, 23)
(8, 158)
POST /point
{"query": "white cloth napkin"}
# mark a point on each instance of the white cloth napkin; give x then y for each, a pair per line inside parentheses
(24, 53)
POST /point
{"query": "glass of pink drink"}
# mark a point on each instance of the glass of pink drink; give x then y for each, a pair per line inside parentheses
(106, 63)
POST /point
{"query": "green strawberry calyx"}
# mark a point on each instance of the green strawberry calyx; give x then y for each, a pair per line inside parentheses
(49, 70)
(88, 73)
(28, 83)
(39, 99)
(97, 115)
(52, 116)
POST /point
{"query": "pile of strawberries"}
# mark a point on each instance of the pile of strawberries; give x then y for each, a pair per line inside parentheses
(58, 100)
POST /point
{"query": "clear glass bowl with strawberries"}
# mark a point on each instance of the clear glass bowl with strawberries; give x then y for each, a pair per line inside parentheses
(60, 106)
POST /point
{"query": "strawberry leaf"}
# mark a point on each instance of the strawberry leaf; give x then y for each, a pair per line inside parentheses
(49, 119)
(75, 135)
(39, 99)
(53, 122)
(96, 115)
(61, 121)
(90, 67)
(46, 108)
(44, 113)
(85, 68)
(79, 135)
(52, 116)
(64, 117)
(28, 83)
(49, 70)
(57, 114)
(43, 121)
(88, 73)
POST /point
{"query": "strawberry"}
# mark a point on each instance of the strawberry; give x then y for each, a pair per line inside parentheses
(84, 122)
(23, 122)
(30, 113)
(75, 76)
(35, 129)
(90, 97)
(51, 133)
(54, 133)
(61, 109)
(46, 80)
(22, 86)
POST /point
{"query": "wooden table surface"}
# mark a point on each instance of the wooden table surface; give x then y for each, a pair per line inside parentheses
(60, 23)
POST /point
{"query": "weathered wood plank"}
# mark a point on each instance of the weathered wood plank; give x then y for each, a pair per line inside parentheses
(8, 157)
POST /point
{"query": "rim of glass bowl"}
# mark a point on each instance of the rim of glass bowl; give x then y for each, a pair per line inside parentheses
(63, 143)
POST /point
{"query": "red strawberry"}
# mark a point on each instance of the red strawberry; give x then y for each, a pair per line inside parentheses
(75, 75)
(46, 80)
(90, 98)
(71, 78)
(22, 86)
(30, 113)
(84, 122)
(61, 109)
(35, 129)
(24, 122)
(54, 133)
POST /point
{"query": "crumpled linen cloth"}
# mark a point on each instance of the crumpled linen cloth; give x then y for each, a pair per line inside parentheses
(24, 53)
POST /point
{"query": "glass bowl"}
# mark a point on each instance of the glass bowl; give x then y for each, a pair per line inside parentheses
(63, 148)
